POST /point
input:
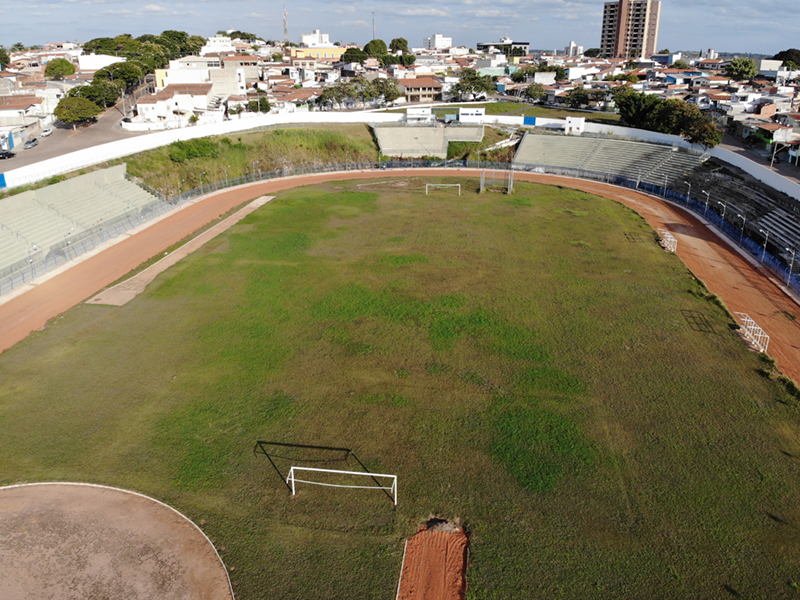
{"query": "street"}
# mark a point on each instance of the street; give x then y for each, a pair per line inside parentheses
(732, 144)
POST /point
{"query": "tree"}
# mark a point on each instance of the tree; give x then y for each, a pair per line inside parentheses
(680, 64)
(577, 97)
(58, 68)
(101, 92)
(76, 110)
(664, 51)
(399, 45)
(375, 48)
(790, 55)
(473, 84)
(5, 59)
(741, 69)
(354, 55)
(125, 73)
(534, 92)
(277, 57)
(592, 52)
(386, 88)
(18, 47)
(636, 109)
(263, 104)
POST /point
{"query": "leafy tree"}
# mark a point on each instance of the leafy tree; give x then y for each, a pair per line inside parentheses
(790, 55)
(517, 52)
(790, 65)
(18, 47)
(592, 52)
(277, 57)
(354, 55)
(473, 83)
(5, 59)
(387, 89)
(636, 109)
(76, 110)
(101, 92)
(399, 45)
(375, 48)
(263, 104)
(243, 35)
(664, 51)
(404, 59)
(577, 97)
(741, 69)
(125, 73)
(534, 91)
(680, 64)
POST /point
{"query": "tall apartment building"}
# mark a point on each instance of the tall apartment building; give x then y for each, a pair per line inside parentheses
(437, 42)
(630, 28)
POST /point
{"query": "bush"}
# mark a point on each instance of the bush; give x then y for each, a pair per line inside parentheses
(200, 148)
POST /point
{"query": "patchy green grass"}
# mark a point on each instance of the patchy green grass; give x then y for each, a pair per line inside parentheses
(513, 359)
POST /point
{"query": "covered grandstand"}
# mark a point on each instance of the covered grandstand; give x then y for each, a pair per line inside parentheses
(41, 225)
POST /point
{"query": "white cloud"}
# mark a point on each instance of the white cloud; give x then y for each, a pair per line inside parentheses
(416, 12)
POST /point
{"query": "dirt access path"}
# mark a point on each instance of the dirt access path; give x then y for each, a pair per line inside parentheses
(744, 287)
(64, 541)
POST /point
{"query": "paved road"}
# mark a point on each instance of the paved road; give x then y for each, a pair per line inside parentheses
(743, 286)
(791, 172)
(65, 140)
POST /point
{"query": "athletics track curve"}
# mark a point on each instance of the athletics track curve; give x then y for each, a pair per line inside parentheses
(743, 286)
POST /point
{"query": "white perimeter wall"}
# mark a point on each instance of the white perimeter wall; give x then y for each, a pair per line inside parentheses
(120, 148)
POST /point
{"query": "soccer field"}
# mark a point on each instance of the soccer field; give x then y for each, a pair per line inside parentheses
(532, 364)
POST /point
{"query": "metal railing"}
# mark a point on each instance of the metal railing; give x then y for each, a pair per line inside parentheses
(736, 235)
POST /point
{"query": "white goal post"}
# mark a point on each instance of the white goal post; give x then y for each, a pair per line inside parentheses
(392, 489)
(442, 185)
(753, 331)
(670, 243)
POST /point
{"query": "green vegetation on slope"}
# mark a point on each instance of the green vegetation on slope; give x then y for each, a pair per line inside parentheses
(516, 360)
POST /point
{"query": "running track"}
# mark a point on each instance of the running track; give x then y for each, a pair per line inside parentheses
(742, 286)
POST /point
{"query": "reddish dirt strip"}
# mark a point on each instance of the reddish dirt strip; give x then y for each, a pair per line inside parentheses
(743, 286)
(434, 566)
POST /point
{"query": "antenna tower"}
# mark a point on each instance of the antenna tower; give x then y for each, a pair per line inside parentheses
(285, 25)
(373, 24)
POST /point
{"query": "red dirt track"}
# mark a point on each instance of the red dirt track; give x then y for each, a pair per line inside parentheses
(434, 566)
(741, 285)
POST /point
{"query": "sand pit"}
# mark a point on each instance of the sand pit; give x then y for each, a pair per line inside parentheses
(435, 564)
(74, 541)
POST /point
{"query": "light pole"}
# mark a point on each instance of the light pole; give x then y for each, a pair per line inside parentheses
(744, 224)
(253, 168)
(689, 183)
(708, 197)
(201, 178)
(766, 239)
(724, 208)
(789, 281)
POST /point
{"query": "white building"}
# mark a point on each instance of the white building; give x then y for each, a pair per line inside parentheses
(311, 40)
(95, 62)
(573, 50)
(437, 42)
(217, 44)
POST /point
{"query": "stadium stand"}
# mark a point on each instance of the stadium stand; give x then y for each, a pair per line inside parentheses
(641, 161)
(33, 224)
(418, 141)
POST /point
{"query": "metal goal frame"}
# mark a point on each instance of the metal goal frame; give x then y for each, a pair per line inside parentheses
(291, 480)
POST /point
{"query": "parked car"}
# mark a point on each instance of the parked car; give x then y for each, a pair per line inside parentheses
(30, 144)
(6, 154)
(46, 132)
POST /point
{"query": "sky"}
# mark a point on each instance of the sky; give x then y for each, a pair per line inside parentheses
(764, 27)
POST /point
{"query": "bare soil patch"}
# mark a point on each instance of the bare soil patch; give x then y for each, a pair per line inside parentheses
(69, 541)
(435, 563)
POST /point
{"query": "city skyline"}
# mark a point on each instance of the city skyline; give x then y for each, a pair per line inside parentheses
(545, 24)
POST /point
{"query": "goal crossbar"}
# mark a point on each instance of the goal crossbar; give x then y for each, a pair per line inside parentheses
(291, 480)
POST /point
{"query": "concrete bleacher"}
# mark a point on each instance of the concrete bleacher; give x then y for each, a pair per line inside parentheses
(634, 160)
(419, 141)
(34, 223)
